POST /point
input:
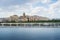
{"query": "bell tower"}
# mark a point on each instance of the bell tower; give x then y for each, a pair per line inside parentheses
(24, 14)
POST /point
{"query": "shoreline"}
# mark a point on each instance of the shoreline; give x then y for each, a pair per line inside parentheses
(52, 25)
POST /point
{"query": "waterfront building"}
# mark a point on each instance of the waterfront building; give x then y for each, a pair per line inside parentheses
(25, 17)
(1, 19)
(14, 18)
(31, 18)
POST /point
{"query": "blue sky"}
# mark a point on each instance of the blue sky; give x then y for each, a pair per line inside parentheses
(46, 8)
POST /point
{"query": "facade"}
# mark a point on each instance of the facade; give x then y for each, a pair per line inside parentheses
(1, 19)
(23, 18)
(38, 18)
(13, 18)
(26, 18)
(31, 18)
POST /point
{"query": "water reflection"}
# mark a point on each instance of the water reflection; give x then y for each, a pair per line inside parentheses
(29, 33)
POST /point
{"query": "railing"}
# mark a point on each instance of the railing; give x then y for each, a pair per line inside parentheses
(30, 24)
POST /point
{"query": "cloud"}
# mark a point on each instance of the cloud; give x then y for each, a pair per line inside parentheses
(55, 9)
(47, 8)
(45, 1)
(22, 2)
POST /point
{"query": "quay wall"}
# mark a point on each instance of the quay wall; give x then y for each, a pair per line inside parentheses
(30, 24)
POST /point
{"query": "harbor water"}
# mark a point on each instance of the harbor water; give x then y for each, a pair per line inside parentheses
(18, 33)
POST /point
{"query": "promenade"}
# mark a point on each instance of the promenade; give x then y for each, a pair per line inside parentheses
(30, 25)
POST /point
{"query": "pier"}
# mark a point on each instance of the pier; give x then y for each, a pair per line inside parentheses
(30, 25)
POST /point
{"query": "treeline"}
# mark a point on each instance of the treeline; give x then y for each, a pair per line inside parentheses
(41, 21)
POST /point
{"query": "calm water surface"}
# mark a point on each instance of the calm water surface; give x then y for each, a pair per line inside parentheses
(29, 33)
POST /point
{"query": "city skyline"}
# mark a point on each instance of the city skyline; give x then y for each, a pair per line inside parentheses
(23, 18)
(45, 8)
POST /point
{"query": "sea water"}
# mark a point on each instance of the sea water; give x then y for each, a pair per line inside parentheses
(18, 33)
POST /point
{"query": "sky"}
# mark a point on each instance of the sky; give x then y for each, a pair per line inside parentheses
(45, 8)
